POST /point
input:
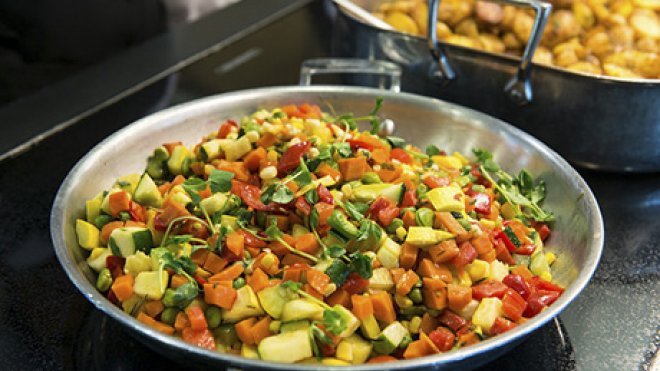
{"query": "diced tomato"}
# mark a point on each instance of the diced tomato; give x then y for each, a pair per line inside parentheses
(452, 320)
(378, 205)
(409, 198)
(503, 253)
(401, 156)
(387, 215)
(225, 128)
(466, 255)
(543, 230)
(115, 265)
(443, 338)
(538, 300)
(303, 206)
(526, 249)
(541, 284)
(489, 289)
(482, 203)
(292, 156)
(501, 325)
(201, 338)
(355, 284)
(324, 195)
(436, 182)
(357, 144)
(251, 240)
(513, 305)
(518, 284)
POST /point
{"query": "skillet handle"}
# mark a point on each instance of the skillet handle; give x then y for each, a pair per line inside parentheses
(326, 66)
(519, 88)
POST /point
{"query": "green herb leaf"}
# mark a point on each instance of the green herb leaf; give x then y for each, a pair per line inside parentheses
(282, 194)
(178, 239)
(333, 321)
(352, 210)
(343, 149)
(335, 251)
(432, 150)
(313, 219)
(292, 285)
(396, 142)
(220, 180)
(361, 264)
(272, 231)
(312, 197)
(338, 272)
(192, 186)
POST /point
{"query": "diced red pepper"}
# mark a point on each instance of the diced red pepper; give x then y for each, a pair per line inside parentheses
(541, 284)
(482, 203)
(452, 320)
(409, 198)
(251, 240)
(526, 249)
(443, 338)
(250, 194)
(303, 206)
(518, 284)
(325, 195)
(513, 305)
(378, 205)
(137, 212)
(507, 242)
(489, 289)
(466, 255)
(201, 338)
(401, 156)
(201, 280)
(225, 128)
(538, 300)
(291, 157)
(355, 284)
(543, 230)
(501, 325)
(387, 215)
(357, 144)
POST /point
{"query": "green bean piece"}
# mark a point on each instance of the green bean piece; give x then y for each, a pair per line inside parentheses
(168, 316)
(226, 334)
(371, 178)
(102, 220)
(104, 280)
(416, 295)
(238, 283)
(424, 217)
(340, 223)
(414, 311)
(213, 316)
(396, 223)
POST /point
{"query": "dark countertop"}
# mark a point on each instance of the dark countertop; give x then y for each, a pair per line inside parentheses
(46, 324)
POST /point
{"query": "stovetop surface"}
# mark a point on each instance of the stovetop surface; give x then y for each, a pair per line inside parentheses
(45, 323)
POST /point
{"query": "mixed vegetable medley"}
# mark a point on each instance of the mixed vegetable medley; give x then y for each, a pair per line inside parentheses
(294, 237)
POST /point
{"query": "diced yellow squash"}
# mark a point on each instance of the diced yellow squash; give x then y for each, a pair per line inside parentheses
(354, 350)
(421, 236)
(151, 284)
(249, 351)
(88, 234)
(287, 347)
(214, 203)
(301, 309)
(137, 263)
(388, 253)
(234, 150)
(539, 265)
(447, 162)
(128, 182)
(449, 198)
(348, 318)
(298, 230)
(478, 269)
(369, 327)
(178, 160)
(381, 279)
(498, 270)
(246, 305)
(467, 311)
(329, 361)
(487, 311)
(96, 259)
(93, 207)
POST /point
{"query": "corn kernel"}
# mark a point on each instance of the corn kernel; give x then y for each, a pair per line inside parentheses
(401, 233)
(267, 173)
(403, 301)
(268, 260)
(415, 324)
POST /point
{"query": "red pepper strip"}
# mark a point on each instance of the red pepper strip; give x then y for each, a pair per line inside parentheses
(527, 249)
(325, 195)
(482, 203)
(357, 144)
(518, 284)
(225, 129)
(507, 242)
(291, 157)
(200, 279)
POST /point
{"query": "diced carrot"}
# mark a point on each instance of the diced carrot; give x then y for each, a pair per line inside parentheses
(353, 168)
(434, 292)
(153, 307)
(312, 291)
(201, 338)
(181, 321)
(238, 168)
(452, 225)
(318, 280)
(406, 283)
(408, 256)
(362, 306)
(214, 263)
(261, 329)
(482, 244)
(290, 259)
(327, 170)
(228, 274)
(236, 243)
(253, 159)
(268, 262)
(254, 251)
(310, 111)
(444, 251)
(267, 140)
(409, 219)
(107, 230)
(244, 330)
(458, 296)
(219, 295)
(325, 210)
(196, 317)
(383, 307)
(291, 110)
(382, 359)
(380, 155)
(122, 287)
(341, 297)
(428, 324)
(468, 339)
(292, 274)
(282, 221)
(396, 274)
(171, 211)
(307, 243)
(156, 325)
(278, 248)
(429, 269)
(258, 280)
(164, 188)
(199, 257)
(489, 256)
(523, 271)
(118, 202)
(178, 280)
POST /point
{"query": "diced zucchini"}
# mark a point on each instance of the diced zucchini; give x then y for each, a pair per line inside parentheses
(128, 182)
(137, 263)
(381, 279)
(301, 309)
(147, 193)
(369, 327)
(273, 299)
(286, 347)
(151, 284)
(487, 311)
(539, 265)
(425, 236)
(126, 241)
(132, 304)
(234, 150)
(390, 338)
(246, 305)
(294, 326)
(449, 198)
(348, 318)
(478, 269)
(93, 207)
(211, 150)
(88, 234)
(214, 203)
(96, 259)
(388, 253)
(354, 349)
(178, 161)
(370, 192)
(498, 270)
